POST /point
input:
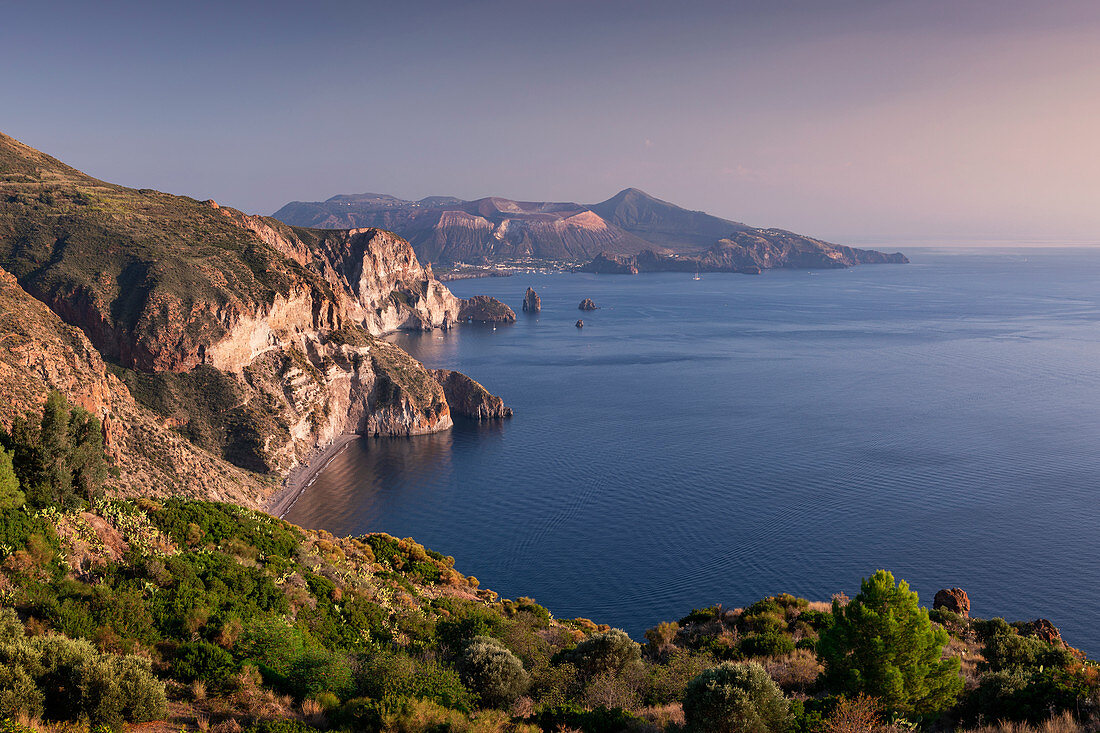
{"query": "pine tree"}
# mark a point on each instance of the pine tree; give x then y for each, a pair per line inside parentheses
(10, 495)
(882, 644)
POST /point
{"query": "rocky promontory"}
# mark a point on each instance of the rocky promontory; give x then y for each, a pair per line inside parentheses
(468, 398)
(485, 309)
(748, 252)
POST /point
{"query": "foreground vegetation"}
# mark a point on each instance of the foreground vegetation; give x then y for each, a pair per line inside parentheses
(213, 617)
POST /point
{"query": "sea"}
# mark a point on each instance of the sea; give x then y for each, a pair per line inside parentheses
(728, 438)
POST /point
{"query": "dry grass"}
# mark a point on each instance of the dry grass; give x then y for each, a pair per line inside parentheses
(663, 717)
(856, 715)
(1064, 723)
(795, 671)
(970, 656)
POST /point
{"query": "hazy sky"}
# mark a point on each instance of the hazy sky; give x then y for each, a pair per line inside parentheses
(854, 120)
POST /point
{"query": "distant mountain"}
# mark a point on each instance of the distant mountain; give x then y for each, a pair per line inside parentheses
(445, 230)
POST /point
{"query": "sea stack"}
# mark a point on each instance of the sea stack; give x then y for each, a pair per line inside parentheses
(531, 301)
(587, 305)
(580, 323)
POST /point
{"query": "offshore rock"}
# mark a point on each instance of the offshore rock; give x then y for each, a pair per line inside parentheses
(954, 600)
(485, 309)
(468, 398)
(532, 303)
(579, 323)
(587, 305)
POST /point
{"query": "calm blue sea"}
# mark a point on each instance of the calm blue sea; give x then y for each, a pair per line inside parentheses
(738, 436)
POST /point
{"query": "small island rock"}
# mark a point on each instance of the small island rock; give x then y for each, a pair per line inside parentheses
(531, 301)
(587, 305)
(485, 309)
(580, 323)
(954, 600)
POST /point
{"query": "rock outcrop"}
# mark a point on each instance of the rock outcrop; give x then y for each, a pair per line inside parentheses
(532, 303)
(579, 323)
(485, 309)
(587, 305)
(954, 600)
(254, 339)
(39, 352)
(1046, 631)
(468, 398)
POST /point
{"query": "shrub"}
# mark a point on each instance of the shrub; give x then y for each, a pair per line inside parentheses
(612, 651)
(883, 645)
(389, 675)
(766, 645)
(600, 720)
(735, 698)
(200, 660)
(492, 672)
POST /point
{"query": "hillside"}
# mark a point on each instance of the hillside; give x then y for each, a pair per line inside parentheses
(243, 341)
(447, 230)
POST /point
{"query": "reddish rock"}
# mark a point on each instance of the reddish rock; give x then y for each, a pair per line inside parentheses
(579, 324)
(1046, 631)
(954, 600)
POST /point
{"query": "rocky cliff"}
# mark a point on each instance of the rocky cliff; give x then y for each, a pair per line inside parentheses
(532, 303)
(253, 339)
(468, 398)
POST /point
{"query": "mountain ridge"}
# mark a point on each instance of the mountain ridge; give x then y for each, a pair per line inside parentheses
(493, 229)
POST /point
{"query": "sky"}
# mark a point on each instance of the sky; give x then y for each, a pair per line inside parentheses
(858, 121)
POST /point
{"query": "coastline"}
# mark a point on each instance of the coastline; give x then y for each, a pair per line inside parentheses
(300, 478)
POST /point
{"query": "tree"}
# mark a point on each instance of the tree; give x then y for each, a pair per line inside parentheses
(882, 644)
(10, 495)
(735, 698)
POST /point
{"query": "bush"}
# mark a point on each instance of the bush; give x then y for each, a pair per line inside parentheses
(735, 698)
(766, 645)
(390, 675)
(200, 660)
(883, 645)
(66, 679)
(492, 672)
(600, 720)
(612, 651)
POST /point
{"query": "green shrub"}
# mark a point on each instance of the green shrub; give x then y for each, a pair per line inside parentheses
(611, 651)
(883, 645)
(389, 675)
(735, 698)
(766, 645)
(200, 660)
(492, 672)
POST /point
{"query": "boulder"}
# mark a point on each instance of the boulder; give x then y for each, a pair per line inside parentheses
(954, 600)
(532, 303)
(587, 305)
(580, 323)
(468, 398)
(485, 309)
(1046, 631)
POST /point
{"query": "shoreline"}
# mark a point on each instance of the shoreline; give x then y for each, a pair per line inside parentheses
(301, 478)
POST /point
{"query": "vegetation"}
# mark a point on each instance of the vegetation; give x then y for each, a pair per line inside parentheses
(117, 612)
(52, 459)
(735, 698)
(882, 644)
